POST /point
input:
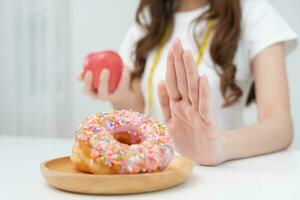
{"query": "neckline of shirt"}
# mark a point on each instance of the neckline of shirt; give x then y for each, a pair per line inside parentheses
(184, 16)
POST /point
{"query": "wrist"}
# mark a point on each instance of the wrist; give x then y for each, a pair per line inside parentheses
(227, 146)
(218, 152)
(123, 102)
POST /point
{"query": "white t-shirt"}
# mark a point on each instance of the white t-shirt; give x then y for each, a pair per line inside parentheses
(262, 26)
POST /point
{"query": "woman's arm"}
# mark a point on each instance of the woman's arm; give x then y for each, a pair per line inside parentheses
(274, 129)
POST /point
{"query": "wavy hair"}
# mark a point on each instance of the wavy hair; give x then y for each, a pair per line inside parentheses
(227, 17)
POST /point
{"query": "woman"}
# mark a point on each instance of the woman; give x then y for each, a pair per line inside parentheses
(235, 50)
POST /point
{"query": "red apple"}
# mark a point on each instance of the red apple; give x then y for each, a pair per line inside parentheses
(97, 61)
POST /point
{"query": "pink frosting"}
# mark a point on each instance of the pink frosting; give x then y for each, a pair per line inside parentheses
(150, 147)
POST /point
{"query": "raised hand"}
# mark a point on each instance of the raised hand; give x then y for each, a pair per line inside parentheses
(185, 101)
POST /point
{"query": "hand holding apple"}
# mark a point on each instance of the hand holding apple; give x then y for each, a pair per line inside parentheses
(110, 60)
(105, 78)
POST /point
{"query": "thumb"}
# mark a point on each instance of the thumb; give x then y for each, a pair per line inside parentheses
(164, 100)
(80, 76)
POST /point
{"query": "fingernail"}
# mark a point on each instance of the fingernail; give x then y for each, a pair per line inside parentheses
(176, 42)
(179, 43)
(204, 76)
(107, 72)
(89, 75)
(170, 51)
(187, 52)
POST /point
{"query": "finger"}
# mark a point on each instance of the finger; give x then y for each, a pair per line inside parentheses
(103, 84)
(80, 76)
(192, 78)
(164, 100)
(180, 69)
(204, 99)
(171, 78)
(88, 79)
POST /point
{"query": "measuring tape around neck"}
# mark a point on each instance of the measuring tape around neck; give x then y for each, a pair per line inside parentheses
(157, 57)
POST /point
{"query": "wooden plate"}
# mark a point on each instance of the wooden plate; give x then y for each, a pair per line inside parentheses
(60, 173)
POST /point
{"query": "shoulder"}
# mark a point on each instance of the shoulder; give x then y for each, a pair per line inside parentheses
(248, 5)
(262, 26)
(254, 9)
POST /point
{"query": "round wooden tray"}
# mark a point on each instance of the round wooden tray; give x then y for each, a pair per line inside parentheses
(60, 173)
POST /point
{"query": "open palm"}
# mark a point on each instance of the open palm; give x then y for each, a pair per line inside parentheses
(184, 98)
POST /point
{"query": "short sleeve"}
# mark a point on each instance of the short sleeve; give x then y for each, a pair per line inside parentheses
(127, 48)
(263, 26)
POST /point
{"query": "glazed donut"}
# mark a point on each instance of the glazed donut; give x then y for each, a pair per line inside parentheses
(121, 142)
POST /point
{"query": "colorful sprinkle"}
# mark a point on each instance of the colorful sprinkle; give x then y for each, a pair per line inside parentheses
(154, 152)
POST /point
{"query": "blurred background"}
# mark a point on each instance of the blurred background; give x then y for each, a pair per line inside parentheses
(42, 47)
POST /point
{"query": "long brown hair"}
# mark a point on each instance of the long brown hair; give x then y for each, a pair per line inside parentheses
(227, 17)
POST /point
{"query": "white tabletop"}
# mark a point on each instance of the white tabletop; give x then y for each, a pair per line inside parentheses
(275, 176)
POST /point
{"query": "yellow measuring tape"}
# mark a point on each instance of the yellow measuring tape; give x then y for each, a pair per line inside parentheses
(157, 57)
